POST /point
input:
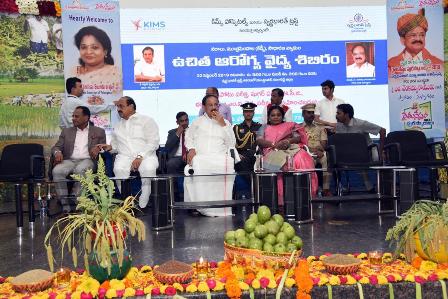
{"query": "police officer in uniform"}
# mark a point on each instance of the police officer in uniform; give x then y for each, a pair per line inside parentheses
(246, 137)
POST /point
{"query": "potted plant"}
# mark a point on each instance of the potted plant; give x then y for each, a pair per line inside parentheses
(422, 229)
(99, 227)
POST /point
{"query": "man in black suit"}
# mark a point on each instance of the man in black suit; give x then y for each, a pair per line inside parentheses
(75, 152)
(175, 145)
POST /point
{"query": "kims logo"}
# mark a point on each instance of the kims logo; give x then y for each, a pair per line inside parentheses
(148, 25)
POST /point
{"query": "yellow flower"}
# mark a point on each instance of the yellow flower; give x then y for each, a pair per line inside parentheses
(129, 292)
(163, 288)
(219, 286)
(362, 255)
(76, 295)
(117, 284)
(239, 272)
(364, 280)
(291, 272)
(289, 282)
(60, 296)
(132, 273)
(203, 287)
(111, 293)
(311, 258)
(350, 280)
(244, 286)
(421, 274)
(322, 257)
(410, 278)
(266, 273)
(272, 284)
(334, 280)
(147, 290)
(256, 284)
(145, 269)
(397, 277)
(89, 285)
(323, 280)
(191, 288)
(382, 279)
(178, 286)
(428, 266)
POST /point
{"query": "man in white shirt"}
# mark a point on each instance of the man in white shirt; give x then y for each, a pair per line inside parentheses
(147, 70)
(135, 139)
(208, 141)
(40, 34)
(325, 112)
(75, 91)
(361, 67)
(75, 152)
(277, 95)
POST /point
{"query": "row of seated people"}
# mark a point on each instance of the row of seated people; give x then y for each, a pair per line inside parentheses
(204, 145)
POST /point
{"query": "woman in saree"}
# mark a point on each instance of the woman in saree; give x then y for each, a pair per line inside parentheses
(281, 141)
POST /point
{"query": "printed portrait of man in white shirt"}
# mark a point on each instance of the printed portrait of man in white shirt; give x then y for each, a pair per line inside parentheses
(360, 59)
(149, 63)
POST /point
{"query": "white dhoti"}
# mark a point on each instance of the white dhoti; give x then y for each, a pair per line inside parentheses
(210, 188)
(122, 168)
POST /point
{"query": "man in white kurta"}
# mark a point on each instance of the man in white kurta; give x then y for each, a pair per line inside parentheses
(135, 140)
(208, 141)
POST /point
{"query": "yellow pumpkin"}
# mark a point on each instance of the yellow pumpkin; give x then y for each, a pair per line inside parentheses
(441, 256)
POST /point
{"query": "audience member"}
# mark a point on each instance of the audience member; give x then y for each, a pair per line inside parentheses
(135, 139)
(75, 91)
(349, 124)
(317, 142)
(75, 152)
(277, 95)
(325, 112)
(282, 142)
(208, 140)
(245, 134)
(175, 145)
(223, 108)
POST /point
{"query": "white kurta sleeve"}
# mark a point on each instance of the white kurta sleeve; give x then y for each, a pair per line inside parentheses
(230, 136)
(288, 115)
(151, 133)
(189, 136)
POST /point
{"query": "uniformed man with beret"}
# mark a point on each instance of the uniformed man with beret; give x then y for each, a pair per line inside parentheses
(317, 142)
(245, 138)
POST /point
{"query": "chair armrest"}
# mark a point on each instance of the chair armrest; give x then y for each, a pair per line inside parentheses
(432, 146)
(331, 156)
(390, 147)
(370, 147)
(37, 163)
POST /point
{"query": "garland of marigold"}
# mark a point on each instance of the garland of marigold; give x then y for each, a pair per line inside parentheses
(303, 280)
(233, 289)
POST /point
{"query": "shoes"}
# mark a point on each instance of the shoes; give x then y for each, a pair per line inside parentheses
(326, 193)
(194, 213)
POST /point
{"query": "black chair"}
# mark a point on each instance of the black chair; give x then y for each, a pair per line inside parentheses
(23, 164)
(410, 149)
(349, 151)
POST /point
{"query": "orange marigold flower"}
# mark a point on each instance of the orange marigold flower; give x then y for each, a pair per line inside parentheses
(416, 262)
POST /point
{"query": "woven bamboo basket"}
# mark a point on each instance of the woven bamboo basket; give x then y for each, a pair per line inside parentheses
(341, 269)
(170, 278)
(32, 281)
(254, 256)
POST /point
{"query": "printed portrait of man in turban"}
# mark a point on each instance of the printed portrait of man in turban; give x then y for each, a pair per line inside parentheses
(412, 30)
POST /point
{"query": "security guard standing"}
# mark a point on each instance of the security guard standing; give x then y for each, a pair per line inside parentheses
(246, 137)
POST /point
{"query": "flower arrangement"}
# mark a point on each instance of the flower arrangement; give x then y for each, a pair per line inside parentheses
(101, 224)
(237, 279)
(425, 226)
(33, 7)
(28, 7)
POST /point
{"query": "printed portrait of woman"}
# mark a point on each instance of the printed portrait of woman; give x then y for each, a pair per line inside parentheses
(96, 68)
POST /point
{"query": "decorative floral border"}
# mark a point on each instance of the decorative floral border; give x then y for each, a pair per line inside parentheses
(31, 7)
